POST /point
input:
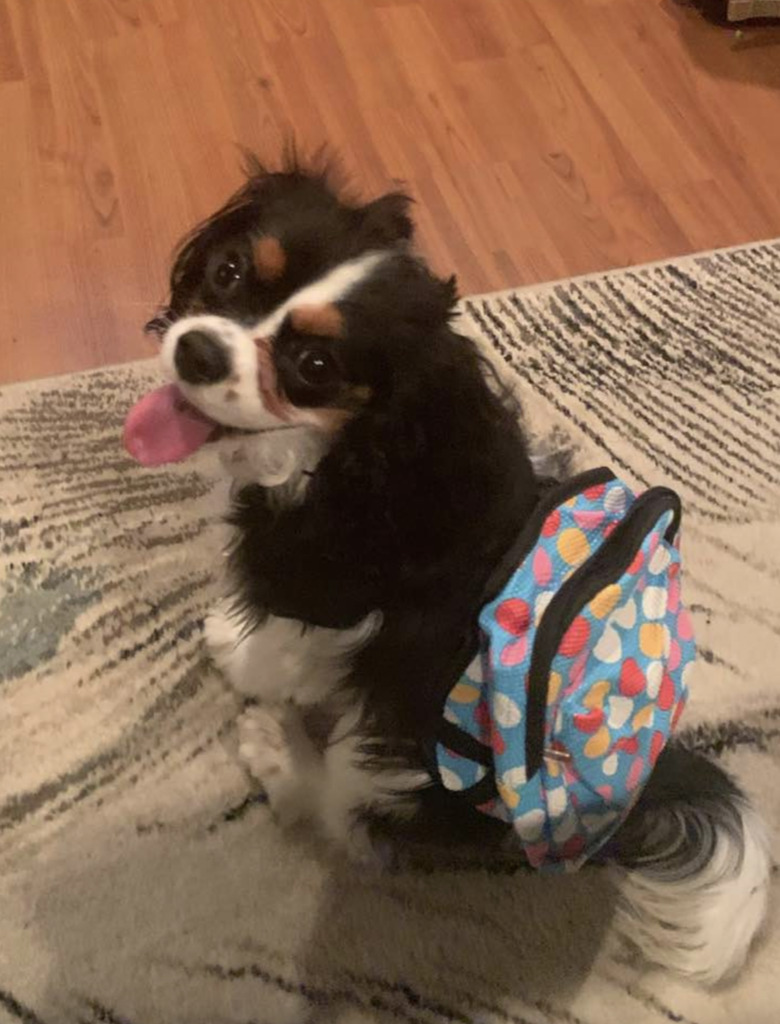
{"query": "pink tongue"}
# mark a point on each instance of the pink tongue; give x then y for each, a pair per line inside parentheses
(163, 427)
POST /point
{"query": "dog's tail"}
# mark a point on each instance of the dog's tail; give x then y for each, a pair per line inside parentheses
(694, 868)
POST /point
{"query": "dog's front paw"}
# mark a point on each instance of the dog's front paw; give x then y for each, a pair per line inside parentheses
(263, 750)
(222, 634)
(261, 744)
(227, 642)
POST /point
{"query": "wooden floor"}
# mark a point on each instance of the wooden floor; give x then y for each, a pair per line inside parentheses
(541, 138)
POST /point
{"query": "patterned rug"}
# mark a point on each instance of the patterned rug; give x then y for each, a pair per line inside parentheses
(141, 880)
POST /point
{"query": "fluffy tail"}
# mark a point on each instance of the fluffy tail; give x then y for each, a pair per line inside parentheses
(694, 866)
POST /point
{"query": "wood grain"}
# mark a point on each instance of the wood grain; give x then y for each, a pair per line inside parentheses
(540, 138)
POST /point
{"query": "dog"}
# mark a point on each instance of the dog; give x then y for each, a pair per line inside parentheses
(381, 473)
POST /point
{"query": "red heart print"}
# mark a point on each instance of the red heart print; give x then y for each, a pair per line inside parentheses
(482, 715)
(595, 492)
(630, 744)
(514, 615)
(632, 678)
(637, 563)
(589, 721)
(666, 693)
(679, 708)
(575, 637)
(573, 847)
(497, 743)
(552, 524)
(656, 746)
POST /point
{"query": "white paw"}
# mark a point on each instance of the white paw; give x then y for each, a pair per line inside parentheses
(222, 633)
(261, 743)
(263, 750)
(228, 643)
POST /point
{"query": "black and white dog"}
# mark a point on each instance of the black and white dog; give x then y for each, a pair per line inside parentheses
(381, 476)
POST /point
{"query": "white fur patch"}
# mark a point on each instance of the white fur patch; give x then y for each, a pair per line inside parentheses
(348, 786)
(331, 789)
(279, 460)
(281, 660)
(702, 925)
(246, 409)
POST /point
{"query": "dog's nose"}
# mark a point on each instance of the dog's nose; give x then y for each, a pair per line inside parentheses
(200, 358)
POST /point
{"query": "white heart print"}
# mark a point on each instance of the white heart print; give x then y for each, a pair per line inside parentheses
(609, 765)
(540, 605)
(620, 709)
(615, 500)
(660, 560)
(687, 674)
(654, 602)
(609, 649)
(625, 615)
(514, 778)
(654, 674)
(474, 671)
(506, 711)
(450, 780)
(529, 825)
(557, 801)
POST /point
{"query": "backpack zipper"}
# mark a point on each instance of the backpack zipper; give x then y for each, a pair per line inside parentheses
(608, 564)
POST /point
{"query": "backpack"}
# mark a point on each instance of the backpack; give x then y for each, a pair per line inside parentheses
(581, 674)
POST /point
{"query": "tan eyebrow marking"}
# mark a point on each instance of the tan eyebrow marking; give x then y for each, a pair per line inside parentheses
(325, 320)
(270, 259)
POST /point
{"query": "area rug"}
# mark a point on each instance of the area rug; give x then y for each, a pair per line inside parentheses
(142, 881)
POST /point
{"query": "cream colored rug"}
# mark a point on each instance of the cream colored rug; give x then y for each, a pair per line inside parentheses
(141, 880)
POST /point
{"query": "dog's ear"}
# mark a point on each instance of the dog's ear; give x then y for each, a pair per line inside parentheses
(386, 221)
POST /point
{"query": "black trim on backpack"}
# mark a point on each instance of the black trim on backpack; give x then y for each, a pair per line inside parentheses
(608, 564)
(449, 734)
(464, 744)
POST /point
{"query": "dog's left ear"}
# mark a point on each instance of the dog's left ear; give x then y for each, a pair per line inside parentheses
(386, 221)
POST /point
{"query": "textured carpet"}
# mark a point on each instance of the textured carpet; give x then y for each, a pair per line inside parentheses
(140, 881)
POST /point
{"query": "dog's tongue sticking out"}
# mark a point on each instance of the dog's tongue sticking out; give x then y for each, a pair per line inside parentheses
(163, 427)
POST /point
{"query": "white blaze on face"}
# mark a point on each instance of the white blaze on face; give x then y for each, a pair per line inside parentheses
(238, 401)
(171, 423)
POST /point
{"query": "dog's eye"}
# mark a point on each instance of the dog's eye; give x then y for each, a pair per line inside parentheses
(316, 367)
(228, 272)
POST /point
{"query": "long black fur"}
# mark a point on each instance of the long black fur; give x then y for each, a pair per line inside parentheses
(409, 511)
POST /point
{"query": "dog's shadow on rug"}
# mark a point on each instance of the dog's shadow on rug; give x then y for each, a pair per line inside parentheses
(458, 944)
(244, 924)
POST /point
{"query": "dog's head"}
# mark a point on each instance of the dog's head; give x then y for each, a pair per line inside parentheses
(291, 306)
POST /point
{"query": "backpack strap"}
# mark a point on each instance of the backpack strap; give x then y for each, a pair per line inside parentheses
(607, 564)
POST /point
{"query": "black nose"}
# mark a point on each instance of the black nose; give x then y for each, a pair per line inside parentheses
(200, 358)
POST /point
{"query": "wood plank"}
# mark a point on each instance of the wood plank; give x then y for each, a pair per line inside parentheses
(540, 139)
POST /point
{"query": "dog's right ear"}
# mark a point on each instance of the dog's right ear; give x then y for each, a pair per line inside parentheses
(386, 221)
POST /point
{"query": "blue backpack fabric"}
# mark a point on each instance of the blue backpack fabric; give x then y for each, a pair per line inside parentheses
(582, 671)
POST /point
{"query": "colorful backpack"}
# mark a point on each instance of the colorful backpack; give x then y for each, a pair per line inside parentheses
(582, 671)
